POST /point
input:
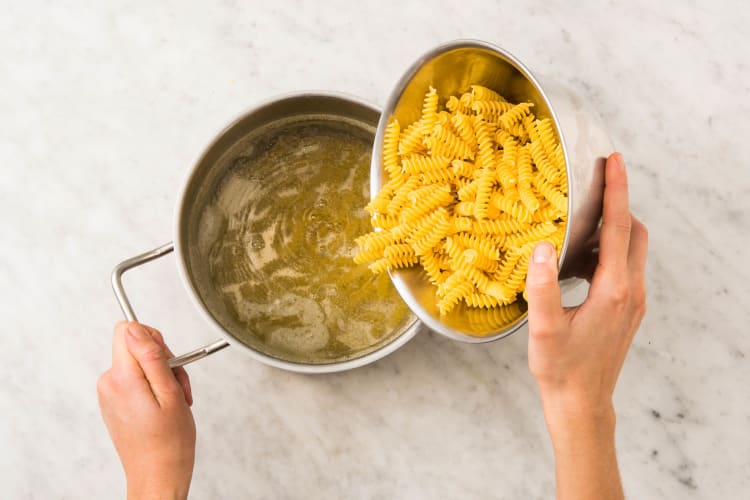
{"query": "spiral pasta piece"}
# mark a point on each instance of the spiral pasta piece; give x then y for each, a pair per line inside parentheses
(499, 226)
(433, 264)
(438, 176)
(556, 197)
(525, 191)
(463, 168)
(430, 109)
(487, 301)
(400, 197)
(514, 115)
(546, 135)
(542, 163)
(482, 244)
(445, 143)
(459, 105)
(411, 139)
(417, 164)
(535, 233)
(486, 155)
(481, 93)
(438, 230)
(398, 262)
(511, 207)
(491, 108)
(384, 221)
(506, 174)
(457, 286)
(479, 261)
(462, 124)
(484, 193)
(391, 162)
(426, 199)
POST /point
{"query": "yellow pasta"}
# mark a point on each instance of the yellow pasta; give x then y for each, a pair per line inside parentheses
(462, 124)
(430, 110)
(525, 192)
(514, 115)
(390, 150)
(499, 226)
(445, 143)
(491, 107)
(470, 190)
(411, 139)
(481, 93)
(434, 264)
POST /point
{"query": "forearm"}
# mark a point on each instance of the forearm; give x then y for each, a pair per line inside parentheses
(158, 492)
(585, 458)
(163, 487)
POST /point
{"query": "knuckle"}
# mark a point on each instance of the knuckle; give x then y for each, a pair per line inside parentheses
(542, 330)
(104, 384)
(619, 294)
(623, 224)
(157, 336)
(152, 353)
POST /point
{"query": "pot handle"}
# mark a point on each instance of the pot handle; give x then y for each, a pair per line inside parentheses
(127, 309)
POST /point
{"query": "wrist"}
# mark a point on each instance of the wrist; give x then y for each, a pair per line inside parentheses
(575, 429)
(157, 489)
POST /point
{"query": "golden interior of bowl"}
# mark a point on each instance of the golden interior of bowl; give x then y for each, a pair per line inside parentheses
(452, 69)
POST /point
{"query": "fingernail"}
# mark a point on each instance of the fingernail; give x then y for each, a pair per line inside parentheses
(137, 332)
(542, 253)
(620, 161)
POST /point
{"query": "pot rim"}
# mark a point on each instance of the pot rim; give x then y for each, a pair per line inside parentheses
(408, 333)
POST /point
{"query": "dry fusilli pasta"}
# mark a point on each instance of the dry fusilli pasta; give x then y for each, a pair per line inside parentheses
(471, 188)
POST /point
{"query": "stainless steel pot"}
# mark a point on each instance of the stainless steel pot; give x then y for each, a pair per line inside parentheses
(451, 69)
(345, 111)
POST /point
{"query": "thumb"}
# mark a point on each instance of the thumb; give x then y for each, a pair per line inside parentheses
(153, 361)
(543, 291)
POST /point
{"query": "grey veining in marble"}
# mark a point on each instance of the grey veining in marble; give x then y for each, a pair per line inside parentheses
(104, 106)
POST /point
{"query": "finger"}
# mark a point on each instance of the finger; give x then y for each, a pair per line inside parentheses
(180, 373)
(615, 231)
(543, 291)
(122, 360)
(153, 362)
(184, 380)
(638, 247)
(155, 334)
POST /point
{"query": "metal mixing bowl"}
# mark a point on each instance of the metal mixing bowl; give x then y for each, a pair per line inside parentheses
(451, 69)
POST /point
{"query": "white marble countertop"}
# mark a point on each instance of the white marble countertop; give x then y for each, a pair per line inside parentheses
(104, 107)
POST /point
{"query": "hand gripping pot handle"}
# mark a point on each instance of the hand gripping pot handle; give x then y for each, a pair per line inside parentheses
(127, 309)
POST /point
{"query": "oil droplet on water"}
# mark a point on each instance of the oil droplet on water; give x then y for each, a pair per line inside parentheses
(282, 259)
(257, 242)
